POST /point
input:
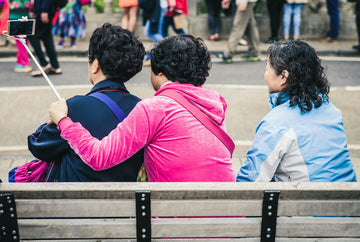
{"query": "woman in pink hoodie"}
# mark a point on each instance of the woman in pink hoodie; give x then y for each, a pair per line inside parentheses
(178, 148)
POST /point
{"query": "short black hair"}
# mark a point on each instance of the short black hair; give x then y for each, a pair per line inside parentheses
(119, 52)
(181, 58)
(306, 85)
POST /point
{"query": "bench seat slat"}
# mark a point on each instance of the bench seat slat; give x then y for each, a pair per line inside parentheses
(304, 227)
(208, 207)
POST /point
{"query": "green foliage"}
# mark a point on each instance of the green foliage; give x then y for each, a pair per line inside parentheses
(201, 7)
(315, 6)
(85, 8)
(99, 6)
(259, 7)
(115, 6)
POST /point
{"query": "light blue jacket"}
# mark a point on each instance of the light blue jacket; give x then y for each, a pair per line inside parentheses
(294, 146)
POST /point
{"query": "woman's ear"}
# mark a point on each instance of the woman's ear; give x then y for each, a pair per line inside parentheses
(284, 77)
(94, 68)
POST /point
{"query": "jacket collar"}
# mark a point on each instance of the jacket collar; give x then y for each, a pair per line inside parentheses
(108, 84)
(273, 98)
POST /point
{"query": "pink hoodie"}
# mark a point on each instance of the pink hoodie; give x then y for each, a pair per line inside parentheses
(178, 148)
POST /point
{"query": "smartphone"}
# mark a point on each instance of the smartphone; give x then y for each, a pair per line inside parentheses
(18, 27)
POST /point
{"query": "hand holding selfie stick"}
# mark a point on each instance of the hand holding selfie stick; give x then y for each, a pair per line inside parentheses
(22, 39)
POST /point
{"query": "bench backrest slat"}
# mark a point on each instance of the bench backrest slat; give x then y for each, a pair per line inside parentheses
(308, 227)
(79, 208)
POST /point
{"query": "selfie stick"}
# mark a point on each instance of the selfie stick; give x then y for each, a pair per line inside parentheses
(22, 39)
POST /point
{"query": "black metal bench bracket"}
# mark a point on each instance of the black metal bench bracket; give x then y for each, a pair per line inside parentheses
(9, 230)
(143, 216)
(269, 216)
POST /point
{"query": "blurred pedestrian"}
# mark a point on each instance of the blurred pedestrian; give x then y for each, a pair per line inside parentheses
(357, 21)
(18, 10)
(176, 9)
(274, 8)
(153, 17)
(292, 14)
(244, 23)
(71, 23)
(43, 12)
(128, 20)
(213, 18)
(334, 15)
(230, 7)
(4, 17)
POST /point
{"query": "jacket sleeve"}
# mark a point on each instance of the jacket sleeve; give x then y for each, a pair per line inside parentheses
(125, 140)
(46, 144)
(263, 158)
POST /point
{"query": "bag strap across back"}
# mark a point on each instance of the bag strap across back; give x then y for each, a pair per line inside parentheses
(202, 118)
(120, 115)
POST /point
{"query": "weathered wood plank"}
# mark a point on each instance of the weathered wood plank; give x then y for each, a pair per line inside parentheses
(76, 228)
(319, 207)
(75, 208)
(308, 227)
(182, 190)
(330, 227)
(287, 227)
(103, 208)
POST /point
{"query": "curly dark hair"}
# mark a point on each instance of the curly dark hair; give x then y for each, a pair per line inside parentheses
(181, 58)
(306, 85)
(119, 52)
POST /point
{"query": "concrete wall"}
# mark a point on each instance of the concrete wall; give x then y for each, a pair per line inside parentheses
(314, 24)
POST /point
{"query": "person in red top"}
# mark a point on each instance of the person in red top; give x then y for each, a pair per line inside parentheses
(177, 147)
(175, 8)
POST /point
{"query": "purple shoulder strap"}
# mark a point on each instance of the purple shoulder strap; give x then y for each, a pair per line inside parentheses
(120, 115)
(202, 117)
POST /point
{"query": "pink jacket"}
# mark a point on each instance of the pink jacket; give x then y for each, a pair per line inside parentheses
(178, 148)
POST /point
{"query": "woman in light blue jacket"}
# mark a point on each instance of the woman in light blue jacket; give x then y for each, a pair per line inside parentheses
(302, 138)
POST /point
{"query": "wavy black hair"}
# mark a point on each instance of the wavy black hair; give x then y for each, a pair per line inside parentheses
(181, 58)
(306, 85)
(119, 52)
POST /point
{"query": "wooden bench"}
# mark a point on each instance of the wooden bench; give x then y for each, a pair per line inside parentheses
(180, 211)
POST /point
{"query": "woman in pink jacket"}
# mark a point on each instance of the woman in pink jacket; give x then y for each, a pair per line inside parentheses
(178, 148)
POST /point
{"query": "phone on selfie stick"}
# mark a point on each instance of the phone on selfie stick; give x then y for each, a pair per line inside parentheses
(19, 29)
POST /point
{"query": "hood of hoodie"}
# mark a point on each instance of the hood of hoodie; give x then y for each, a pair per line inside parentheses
(206, 100)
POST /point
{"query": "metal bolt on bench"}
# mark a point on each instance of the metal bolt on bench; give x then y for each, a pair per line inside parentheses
(143, 216)
(269, 215)
(9, 226)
